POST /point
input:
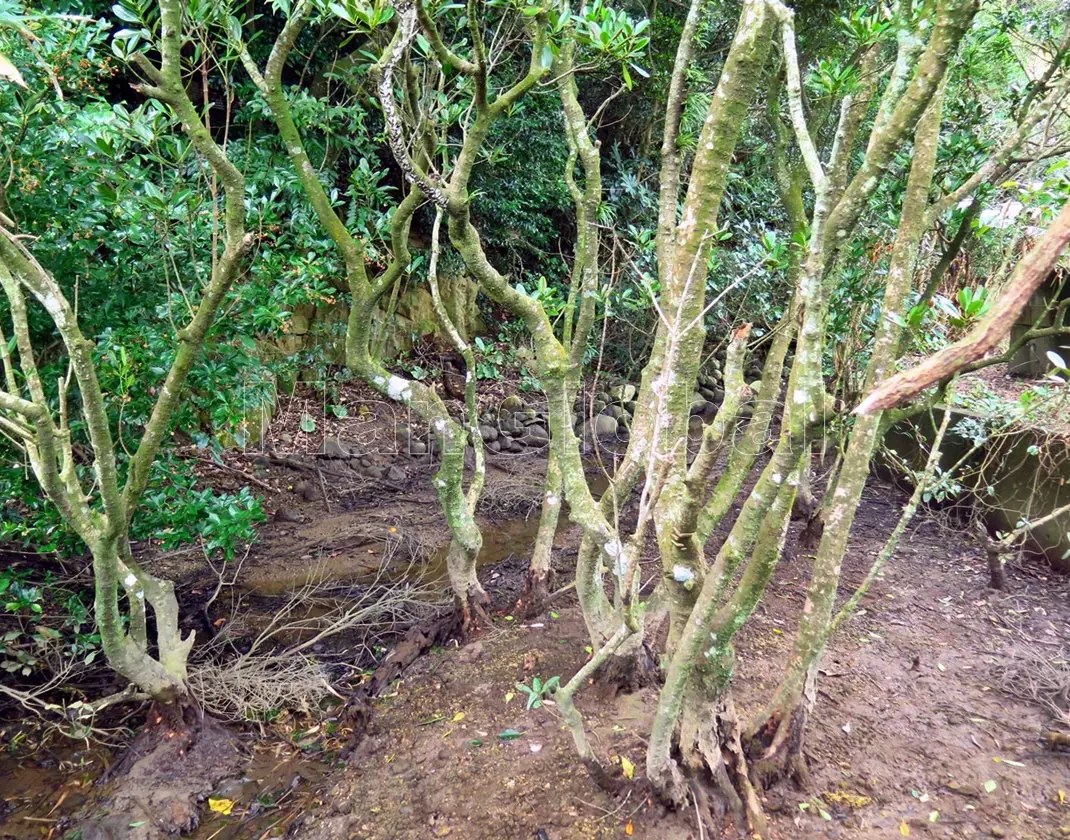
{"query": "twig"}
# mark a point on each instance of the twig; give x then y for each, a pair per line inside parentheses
(323, 489)
(236, 471)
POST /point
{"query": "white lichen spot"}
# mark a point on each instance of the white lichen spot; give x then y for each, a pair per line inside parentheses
(440, 482)
(799, 396)
(398, 389)
(619, 567)
(468, 376)
(813, 416)
(55, 309)
(129, 580)
(613, 548)
(777, 478)
(552, 500)
(440, 426)
(682, 574)
(841, 492)
(140, 595)
(379, 381)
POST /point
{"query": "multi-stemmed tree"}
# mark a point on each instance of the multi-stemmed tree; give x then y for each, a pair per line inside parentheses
(99, 504)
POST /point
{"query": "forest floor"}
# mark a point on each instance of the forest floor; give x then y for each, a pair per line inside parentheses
(929, 721)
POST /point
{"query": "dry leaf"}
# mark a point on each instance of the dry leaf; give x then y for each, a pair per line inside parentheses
(627, 767)
(457, 718)
(10, 72)
(904, 829)
(629, 829)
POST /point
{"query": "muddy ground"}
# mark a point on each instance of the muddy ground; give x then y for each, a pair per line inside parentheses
(926, 723)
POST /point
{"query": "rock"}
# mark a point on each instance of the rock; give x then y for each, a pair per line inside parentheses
(334, 448)
(494, 446)
(623, 393)
(695, 427)
(396, 473)
(306, 490)
(746, 411)
(510, 427)
(417, 447)
(287, 514)
(614, 411)
(488, 433)
(471, 652)
(536, 436)
(512, 403)
(996, 831)
(718, 395)
(707, 394)
(605, 425)
(630, 406)
(373, 472)
(537, 420)
(526, 414)
(599, 406)
(698, 405)
(512, 446)
(755, 386)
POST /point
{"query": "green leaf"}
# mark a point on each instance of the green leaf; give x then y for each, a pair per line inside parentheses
(990, 786)
(308, 423)
(124, 14)
(508, 734)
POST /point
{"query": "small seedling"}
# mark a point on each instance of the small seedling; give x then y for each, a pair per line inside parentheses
(538, 690)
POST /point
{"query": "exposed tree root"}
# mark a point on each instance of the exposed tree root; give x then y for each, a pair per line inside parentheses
(709, 772)
(775, 749)
(157, 786)
(472, 609)
(627, 672)
(534, 599)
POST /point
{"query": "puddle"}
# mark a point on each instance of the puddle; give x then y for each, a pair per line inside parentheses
(357, 548)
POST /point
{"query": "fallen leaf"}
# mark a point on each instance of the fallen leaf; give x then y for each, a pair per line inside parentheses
(627, 767)
(1061, 796)
(629, 829)
(221, 806)
(934, 816)
(457, 718)
(509, 696)
(990, 785)
(535, 747)
(904, 829)
(508, 734)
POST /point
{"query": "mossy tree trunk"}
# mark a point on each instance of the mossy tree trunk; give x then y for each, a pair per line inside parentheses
(458, 502)
(695, 679)
(777, 740)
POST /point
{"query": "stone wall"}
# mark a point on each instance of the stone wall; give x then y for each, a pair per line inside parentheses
(1020, 475)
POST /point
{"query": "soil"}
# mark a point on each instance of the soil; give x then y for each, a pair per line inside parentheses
(917, 730)
(911, 730)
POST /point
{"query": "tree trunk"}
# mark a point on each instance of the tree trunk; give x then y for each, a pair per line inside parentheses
(535, 597)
